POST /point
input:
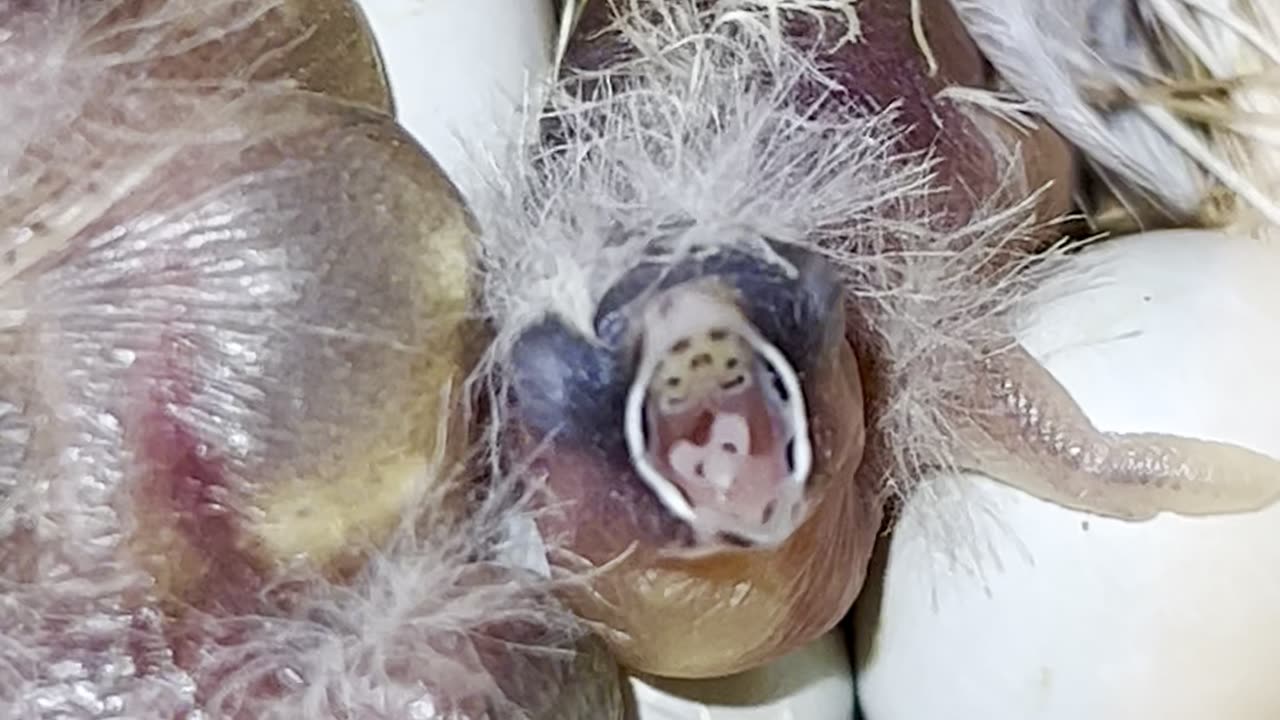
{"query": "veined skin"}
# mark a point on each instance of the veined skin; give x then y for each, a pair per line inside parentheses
(234, 311)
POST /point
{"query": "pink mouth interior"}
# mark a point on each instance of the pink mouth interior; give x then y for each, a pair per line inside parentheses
(728, 451)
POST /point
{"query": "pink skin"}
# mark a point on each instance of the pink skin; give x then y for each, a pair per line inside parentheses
(885, 66)
(183, 484)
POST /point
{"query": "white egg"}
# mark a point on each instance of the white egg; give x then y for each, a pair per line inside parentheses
(459, 71)
(1073, 616)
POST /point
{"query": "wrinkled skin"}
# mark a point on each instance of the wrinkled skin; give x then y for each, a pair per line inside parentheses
(676, 603)
(234, 328)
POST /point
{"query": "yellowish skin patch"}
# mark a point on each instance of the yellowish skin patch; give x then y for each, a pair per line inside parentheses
(354, 510)
(329, 519)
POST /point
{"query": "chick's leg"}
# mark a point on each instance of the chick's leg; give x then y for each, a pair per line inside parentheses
(1024, 429)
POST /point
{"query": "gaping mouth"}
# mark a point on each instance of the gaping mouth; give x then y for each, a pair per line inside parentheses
(716, 423)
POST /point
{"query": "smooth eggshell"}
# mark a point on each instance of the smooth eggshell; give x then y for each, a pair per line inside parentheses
(460, 71)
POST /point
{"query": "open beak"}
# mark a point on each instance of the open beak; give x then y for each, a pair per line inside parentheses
(715, 421)
(699, 459)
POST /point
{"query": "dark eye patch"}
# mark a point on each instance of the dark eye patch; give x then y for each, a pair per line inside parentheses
(564, 383)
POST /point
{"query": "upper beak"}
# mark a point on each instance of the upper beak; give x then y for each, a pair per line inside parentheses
(715, 420)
